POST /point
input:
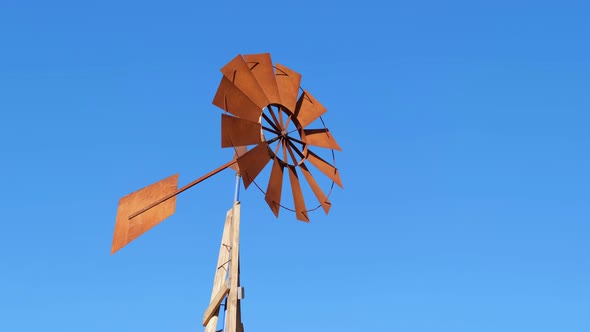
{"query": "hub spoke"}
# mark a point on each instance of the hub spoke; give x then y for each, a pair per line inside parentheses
(274, 118)
(269, 121)
(272, 131)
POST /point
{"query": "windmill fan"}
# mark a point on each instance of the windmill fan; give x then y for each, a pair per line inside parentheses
(260, 102)
(253, 92)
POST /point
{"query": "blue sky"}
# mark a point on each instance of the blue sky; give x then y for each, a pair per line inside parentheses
(464, 127)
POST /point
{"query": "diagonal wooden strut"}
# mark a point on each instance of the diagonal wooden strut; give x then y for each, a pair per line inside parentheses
(213, 309)
(188, 186)
(227, 277)
(211, 315)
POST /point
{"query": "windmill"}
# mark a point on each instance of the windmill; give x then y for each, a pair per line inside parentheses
(261, 102)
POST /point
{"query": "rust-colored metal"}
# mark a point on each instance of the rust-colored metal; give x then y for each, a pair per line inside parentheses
(285, 156)
(321, 138)
(250, 85)
(239, 132)
(234, 101)
(280, 117)
(126, 229)
(238, 152)
(290, 149)
(261, 67)
(329, 170)
(147, 207)
(319, 194)
(276, 127)
(291, 146)
(308, 109)
(186, 187)
(286, 105)
(252, 163)
(238, 72)
(277, 122)
(288, 82)
(289, 118)
(300, 210)
(275, 186)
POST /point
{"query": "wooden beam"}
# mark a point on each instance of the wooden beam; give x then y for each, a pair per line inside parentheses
(221, 271)
(214, 305)
(232, 323)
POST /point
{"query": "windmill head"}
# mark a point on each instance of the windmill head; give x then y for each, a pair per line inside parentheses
(261, 103)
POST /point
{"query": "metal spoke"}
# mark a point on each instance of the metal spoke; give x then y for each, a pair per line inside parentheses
(295, 161)
(281, 117)
(296, 140)
(274, 140)
(274, 117)
(269, 121)
(277, 147)
(288, 120)
(271, 130)
(285, 159)
(296, 150)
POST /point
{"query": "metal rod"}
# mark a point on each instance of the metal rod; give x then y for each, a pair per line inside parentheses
(271, 130)
(277, 148)
(296, 140)
(296, 149)
(291, 153)
(237, 191)
(195, 182)
(285, 157)
(288, 120)
(274, 117)
(273, 140)
(270, 122)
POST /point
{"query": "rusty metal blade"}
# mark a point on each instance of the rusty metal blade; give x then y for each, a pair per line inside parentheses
(239, 132)
(238, 152)
(252, 163)
(326, 205)
(300, 210)
(126, 230)
(238, 72)
(288, 84)
(275, 186)
(308, 109)
(261, 67)
(321, 138)
(234, 101)
(329, 170)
